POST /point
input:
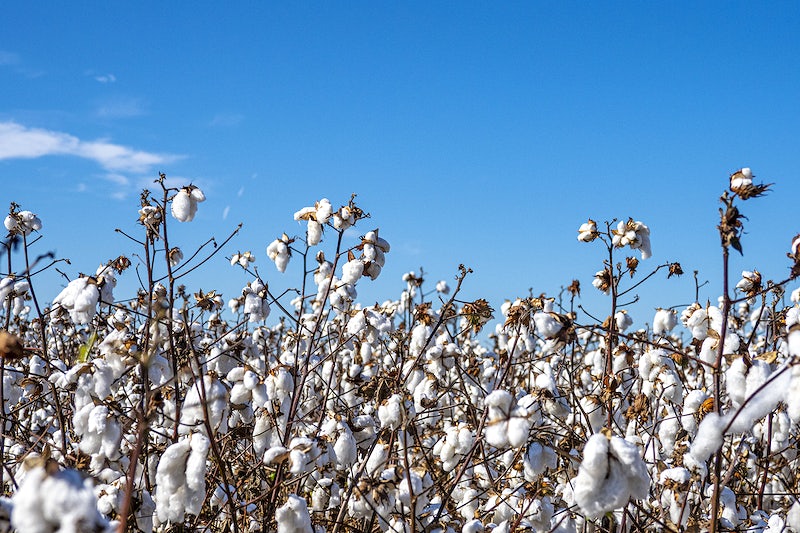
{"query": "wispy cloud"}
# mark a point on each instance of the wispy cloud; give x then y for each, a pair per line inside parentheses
(20, 142)
(121, 107)
(14, 61)
(8, 58)
(106, 78)
(226, 120)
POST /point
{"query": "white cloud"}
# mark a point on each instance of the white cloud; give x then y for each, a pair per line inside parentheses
(106, 78)
(121, 107)
(226, 119)
(117, 179)
(20, 142)
(225, 212)
(8, 58)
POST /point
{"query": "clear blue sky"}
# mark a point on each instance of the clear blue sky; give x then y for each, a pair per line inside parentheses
(482, 133)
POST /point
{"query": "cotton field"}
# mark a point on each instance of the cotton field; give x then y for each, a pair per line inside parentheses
(306, 411)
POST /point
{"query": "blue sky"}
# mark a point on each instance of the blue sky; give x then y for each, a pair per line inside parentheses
(474, 133)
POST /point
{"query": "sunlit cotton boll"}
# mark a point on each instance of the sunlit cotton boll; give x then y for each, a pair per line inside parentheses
(664, 321)
(22, 223)
(279, 252)
(61, 501)
(742, 179)
(184, 203)
(80, 298)
(611, 473)
(293, 517)
(588, 231)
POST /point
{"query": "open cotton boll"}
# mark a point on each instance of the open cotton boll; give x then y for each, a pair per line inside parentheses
(184, 203)
(390, 412)
(293, 517)
(664, 321)
(352, 271)
(79, 298)
(546, 324)
(623, 320)
(22, 223)
(180, 479)
(709, 436)
(278, 251)
(216, 403)
(611, 473)
(63, 501)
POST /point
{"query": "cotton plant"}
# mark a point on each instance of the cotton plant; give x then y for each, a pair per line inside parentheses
(350, 411)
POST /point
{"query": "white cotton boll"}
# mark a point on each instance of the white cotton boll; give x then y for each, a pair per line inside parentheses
(171, 491)
(547, 325)
(518, 431)
(697, 321)
(314, 233)
(63, 501)
(442, 287)
(216, 402)
(587, 232)
(274, 455)
(303, 452)
(23, 223)
(304, 213)
(195, 473)
(623, 320)
(357, 323)
(352, 272)
(793, 517)
(250, 380)
(709, 436)
(472, 526)
(664, 321)
(793, 395)
(390, 412)
(184, 206)
(736, 381)
(343, 219)
(278, 251)
(345, 448)
(324, 210)
(611, 473)
(667, 433)
(293, 517)
(80, 299)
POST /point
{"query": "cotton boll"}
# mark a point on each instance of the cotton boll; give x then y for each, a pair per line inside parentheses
(518, 431)
(62, 501)
(352, 271)
(390, 412)
(547, 325)
(623, 320)
(709, 436)
(171, 491)
(313, 233)
(611, 473)
(664, 321)
(195, 473)
(588, 231)
(279, 252)
(22, 223)
(80, 299)
(293, 517)
(184, 203)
